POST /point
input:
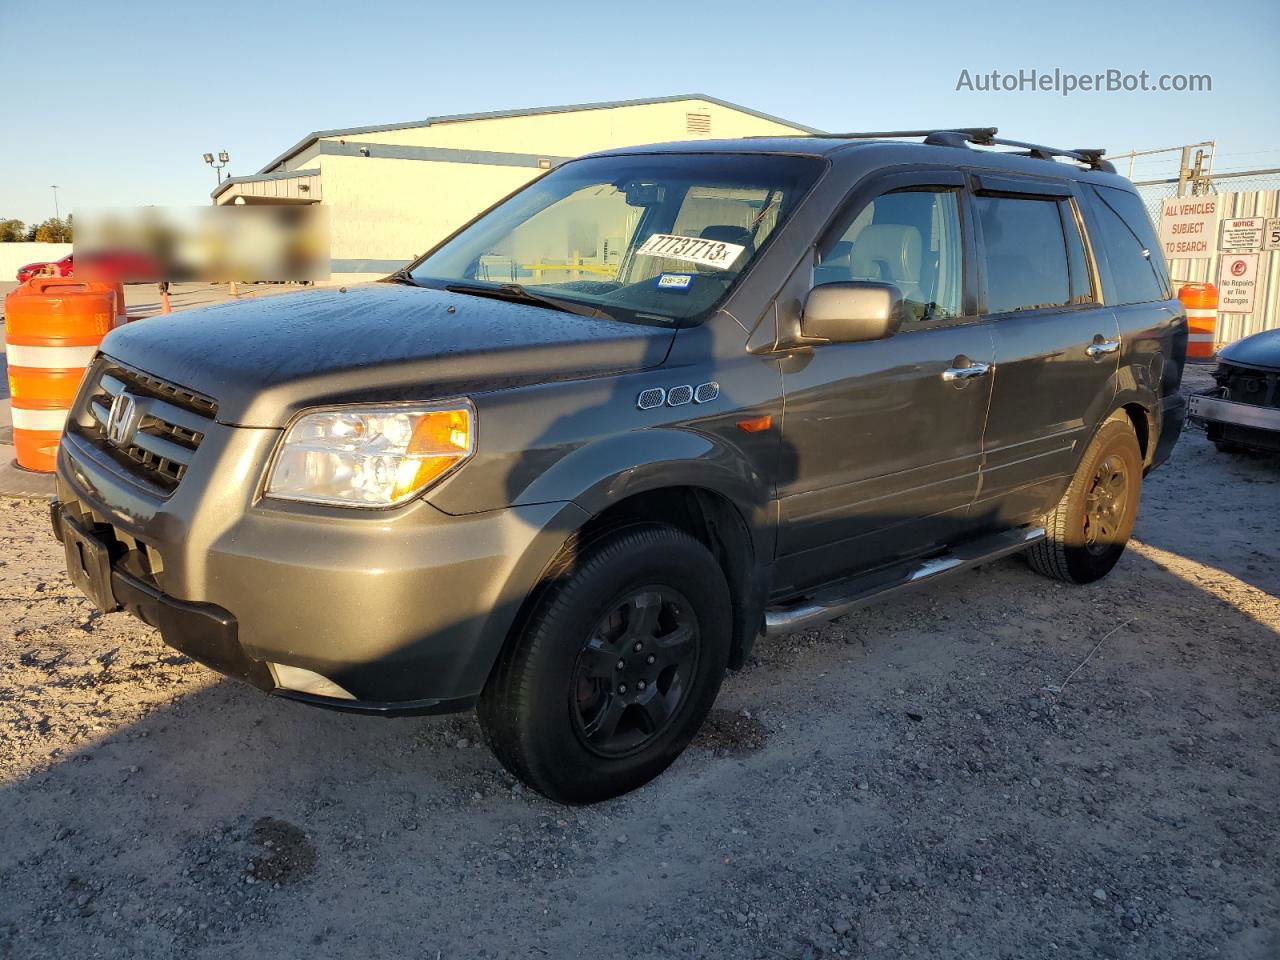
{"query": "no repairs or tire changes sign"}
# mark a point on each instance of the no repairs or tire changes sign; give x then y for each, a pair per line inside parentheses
(1237, 282)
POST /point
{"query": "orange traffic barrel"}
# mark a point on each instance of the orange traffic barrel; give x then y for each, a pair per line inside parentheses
(53, 326)
(1201, 301)
(121, 313)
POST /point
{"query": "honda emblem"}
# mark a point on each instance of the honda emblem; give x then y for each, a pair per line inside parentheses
(122, 420)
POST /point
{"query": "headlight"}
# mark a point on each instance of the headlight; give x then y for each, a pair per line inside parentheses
(371, 456)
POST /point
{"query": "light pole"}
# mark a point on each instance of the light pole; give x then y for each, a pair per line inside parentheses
(56, 214)
(223, 158)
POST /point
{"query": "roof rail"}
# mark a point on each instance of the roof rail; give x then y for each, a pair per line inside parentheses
(961, 137)
(1091, 157)
(891, 134)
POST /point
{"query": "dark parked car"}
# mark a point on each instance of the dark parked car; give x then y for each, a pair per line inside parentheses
(1243, 411)
(569, 465)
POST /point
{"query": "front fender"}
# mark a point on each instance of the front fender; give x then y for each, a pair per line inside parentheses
(600, 474)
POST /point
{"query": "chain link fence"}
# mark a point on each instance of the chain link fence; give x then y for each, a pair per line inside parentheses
(1155, 192)
(1243, 193)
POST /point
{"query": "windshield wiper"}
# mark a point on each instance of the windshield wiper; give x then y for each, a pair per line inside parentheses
(403, 275)
(515, 293)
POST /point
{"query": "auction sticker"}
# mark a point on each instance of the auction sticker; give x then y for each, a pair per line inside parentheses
(709, 253)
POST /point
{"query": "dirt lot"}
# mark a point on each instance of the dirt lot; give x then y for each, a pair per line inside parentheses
(916, 781)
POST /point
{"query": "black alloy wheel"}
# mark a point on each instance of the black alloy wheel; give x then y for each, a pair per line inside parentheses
(1106, 504)
(615, 666)
(635, 670)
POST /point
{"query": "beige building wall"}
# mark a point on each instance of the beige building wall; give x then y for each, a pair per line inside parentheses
(577, 132)
(397, 209)
(307, 189)
(384, 210)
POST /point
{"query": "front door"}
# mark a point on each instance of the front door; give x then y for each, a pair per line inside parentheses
(1056, 344)
(882, 441)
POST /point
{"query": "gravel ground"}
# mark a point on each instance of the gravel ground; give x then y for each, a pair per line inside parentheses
(1002, 768)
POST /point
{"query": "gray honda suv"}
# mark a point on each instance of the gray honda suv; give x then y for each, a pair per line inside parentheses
(569, 465)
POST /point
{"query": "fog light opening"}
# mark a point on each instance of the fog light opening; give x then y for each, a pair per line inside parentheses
(307, 681)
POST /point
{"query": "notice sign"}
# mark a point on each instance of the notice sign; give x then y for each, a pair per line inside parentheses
(1188, 227)
(1237, 282)
(1242, 235)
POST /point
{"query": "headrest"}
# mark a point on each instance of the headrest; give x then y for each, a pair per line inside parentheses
(887, 251)
(727, 233)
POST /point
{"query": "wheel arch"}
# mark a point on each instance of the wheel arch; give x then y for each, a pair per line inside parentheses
(1140, 417)
(707, 514)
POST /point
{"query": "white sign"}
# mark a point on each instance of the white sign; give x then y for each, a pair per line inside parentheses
(1272, 239)
(1188, 227)
(1237, 282)
(709, 253)
(1242, 235)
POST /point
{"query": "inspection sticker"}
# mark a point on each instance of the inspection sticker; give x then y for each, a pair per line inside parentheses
(675, 281)
(710, 253)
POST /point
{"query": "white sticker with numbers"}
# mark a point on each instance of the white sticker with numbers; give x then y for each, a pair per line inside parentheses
(709, 253)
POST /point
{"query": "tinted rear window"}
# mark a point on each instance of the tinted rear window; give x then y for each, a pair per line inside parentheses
(1025, 252)
(1138, 273)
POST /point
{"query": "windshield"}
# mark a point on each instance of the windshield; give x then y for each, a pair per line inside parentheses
(650, 237)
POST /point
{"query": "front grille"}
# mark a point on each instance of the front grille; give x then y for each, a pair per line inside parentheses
(1249, 384)
(127, 553)
(171, 424)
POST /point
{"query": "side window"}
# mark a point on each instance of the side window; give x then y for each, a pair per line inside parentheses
(1025, 248)
(910, 238)
(1137, 266)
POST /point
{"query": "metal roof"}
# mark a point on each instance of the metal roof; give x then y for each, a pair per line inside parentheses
(523, 112)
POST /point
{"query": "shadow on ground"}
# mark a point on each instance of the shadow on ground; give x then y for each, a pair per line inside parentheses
(914, 781)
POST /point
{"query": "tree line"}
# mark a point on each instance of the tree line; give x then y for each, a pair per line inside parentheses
(53, 230)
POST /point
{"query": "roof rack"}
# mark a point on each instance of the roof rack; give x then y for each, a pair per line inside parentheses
(961, 137)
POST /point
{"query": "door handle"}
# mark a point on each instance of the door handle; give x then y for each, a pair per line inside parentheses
(1100, 348)
(952, 374)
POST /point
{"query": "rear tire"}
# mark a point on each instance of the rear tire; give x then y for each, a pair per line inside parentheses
(615, 669)
(1086, 532)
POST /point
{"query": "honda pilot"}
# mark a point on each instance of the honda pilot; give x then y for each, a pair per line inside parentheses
(569, 465)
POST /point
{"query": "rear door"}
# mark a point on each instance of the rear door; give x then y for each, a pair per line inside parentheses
(1056, 345)
(1136, 287)
(882, 441)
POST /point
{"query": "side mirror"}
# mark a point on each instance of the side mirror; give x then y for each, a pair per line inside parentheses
(852, 311)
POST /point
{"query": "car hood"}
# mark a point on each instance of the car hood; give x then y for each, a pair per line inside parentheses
(1259, 350)
(263, 360)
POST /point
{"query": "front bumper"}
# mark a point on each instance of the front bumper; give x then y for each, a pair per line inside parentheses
(406, 609)
(1212, 407)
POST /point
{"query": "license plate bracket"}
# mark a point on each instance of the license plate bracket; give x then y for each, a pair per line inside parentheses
(88, 565)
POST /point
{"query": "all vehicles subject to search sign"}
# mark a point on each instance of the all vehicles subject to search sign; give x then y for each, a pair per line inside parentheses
(1188, 227)
(551, 478)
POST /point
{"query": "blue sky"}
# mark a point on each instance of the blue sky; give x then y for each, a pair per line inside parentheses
(115, 102)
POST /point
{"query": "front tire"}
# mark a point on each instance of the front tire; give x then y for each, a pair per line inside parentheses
(615, 669)
(1086, 533)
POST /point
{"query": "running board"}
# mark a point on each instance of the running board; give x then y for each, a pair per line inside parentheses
(831, 602)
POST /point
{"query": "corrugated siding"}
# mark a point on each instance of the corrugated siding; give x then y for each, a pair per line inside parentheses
(1266, 312)
(289, 188)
